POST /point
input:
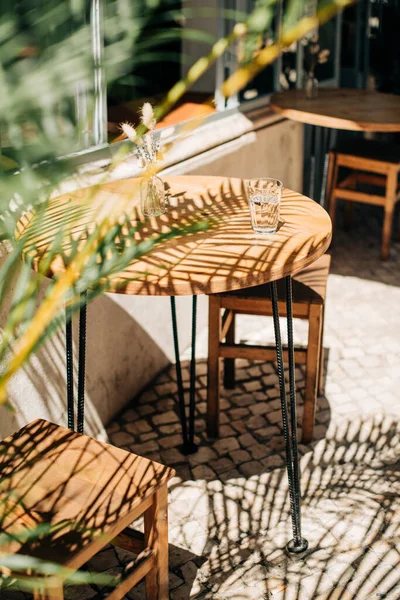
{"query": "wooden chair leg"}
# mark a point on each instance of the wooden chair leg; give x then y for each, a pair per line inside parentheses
(321, 368)
(331, 187)
(213, 371)
(329, 179)
(156, 537)
(386, 233)
(312, 370)
(391, 186)
(53, 592)
(229, 363)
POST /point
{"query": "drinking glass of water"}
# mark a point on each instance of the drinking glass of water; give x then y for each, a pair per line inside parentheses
(264, 196)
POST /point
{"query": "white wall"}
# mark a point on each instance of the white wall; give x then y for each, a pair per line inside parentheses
(129, 338)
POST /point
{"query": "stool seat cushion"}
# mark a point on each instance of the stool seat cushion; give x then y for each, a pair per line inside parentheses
(309, 285)
(86, 491)
(370, 149)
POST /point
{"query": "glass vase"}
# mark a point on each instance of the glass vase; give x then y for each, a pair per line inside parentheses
(152, 196)
(311, 87)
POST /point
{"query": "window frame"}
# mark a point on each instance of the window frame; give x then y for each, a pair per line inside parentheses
(101, 149)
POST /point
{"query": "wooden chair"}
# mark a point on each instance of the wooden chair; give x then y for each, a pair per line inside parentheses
(370, 165)
(309, 291)
(88, 492)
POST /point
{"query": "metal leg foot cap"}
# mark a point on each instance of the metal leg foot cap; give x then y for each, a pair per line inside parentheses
(188, 448)
(297, 547)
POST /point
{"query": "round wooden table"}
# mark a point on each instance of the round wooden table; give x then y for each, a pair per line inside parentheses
(346, 109)
(226, 256)
(351, 109)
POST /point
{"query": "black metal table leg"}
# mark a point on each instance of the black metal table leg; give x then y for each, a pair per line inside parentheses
(188, 445)
(70, 368)
(317, 143)
(81, 367)
(298, 543)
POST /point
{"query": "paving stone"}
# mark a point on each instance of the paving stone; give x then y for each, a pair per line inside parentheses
(266, 433)
(275, 416)
(121, 438)
(243, 400)
(225, 445)
(165, 404)
(226, 431)
(252, 386)
(203, 472)
(145, 409)
(256, 422)
(270, 380)
(204, 455)
(240, 426)
(139, 426)
(239, 456)
(222, 465)
(170, 429)
(258, 451)
(146, 447)
(166, 389)
(130, 415)
(273, 461)
(259, 408)
(172, 456)
(250, 468)
(246, 439)
(276, 443)
(171, 441)
(148, 436)
(165, 418)
(238, 413)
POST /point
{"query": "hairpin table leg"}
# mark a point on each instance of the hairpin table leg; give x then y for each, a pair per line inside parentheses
(70, 368)
(317, 143)
(82, 364)
(188, 445)
(298, 543)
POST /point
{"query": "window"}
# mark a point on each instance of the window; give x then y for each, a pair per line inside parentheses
(159, 45)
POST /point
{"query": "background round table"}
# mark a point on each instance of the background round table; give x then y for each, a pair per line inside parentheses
(345, 109)
(351, 109)
(226, 256)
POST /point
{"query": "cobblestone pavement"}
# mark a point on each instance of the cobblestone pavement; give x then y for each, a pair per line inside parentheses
(228, 504)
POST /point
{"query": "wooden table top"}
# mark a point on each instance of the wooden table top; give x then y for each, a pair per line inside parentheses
(227, 256)
(354, 110)
(86, 491)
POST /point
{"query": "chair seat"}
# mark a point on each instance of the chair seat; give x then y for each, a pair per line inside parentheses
(309, 285)
(86, 490)
(370, 149)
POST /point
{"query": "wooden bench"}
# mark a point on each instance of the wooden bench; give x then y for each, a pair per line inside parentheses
(89, 493)
(371, 165)
(309, 291)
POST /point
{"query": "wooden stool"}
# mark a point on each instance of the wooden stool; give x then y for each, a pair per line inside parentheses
(89, 492)
(309, 291)
(372, 163)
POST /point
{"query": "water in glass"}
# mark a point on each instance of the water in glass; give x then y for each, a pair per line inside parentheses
(264, 211)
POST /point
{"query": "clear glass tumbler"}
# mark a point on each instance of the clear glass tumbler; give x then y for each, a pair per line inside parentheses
(264, 196)
(152, 196)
